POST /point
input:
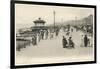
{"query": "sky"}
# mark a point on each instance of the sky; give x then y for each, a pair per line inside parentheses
(25, 14)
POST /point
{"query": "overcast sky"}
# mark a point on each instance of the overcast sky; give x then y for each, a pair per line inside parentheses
(25, 14)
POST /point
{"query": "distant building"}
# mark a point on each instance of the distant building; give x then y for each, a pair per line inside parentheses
(39, 25)
(39, 22)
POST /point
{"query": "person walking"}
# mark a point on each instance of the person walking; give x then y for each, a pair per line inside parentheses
(34, 40)
(82, 41)
(64, 41)
(47, 34)
(42, 34)
(85, 40)
(71, 43)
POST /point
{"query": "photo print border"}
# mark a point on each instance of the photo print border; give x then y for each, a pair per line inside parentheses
(12, 33)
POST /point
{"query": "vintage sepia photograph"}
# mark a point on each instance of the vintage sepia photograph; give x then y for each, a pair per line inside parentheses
(50, 34)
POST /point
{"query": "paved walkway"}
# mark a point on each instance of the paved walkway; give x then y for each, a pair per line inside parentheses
(52, 51)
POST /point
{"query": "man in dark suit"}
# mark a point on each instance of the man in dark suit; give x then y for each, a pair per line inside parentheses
(71, 43)
(64, 41)
(85, 40)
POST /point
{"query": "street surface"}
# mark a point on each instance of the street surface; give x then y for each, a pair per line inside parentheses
(52, 51)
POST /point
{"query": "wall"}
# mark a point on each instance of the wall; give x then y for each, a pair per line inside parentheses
(5, 34)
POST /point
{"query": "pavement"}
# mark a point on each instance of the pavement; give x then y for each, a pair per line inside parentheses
(52, 51)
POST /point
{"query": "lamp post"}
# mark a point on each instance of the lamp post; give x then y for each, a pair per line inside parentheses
(54, 20)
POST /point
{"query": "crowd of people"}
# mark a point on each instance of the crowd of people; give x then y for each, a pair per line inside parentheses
(51, 33)
(44, 35)
(66, 42)
(69, 43)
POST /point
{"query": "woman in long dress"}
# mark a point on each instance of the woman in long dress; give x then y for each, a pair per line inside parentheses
(82, 41)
